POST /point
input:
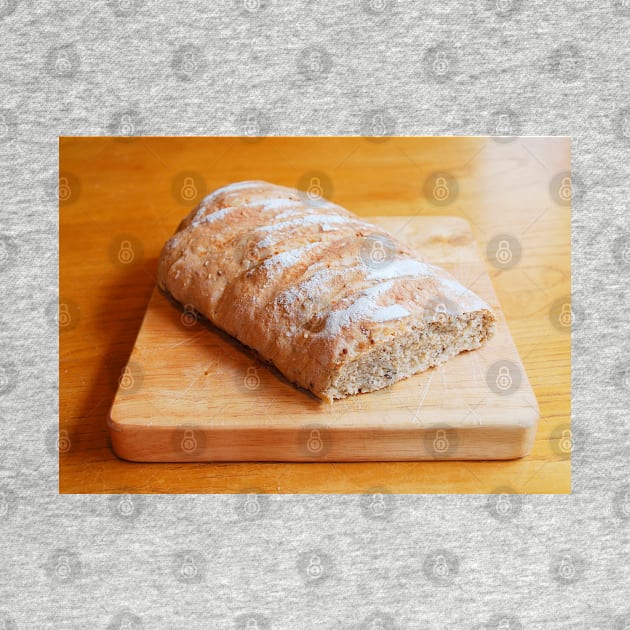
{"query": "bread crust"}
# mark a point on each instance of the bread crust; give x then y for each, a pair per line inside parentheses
(295, 279)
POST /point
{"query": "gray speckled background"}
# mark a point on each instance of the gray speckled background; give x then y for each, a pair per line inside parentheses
(195, 68)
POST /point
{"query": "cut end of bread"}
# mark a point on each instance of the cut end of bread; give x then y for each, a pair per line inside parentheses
(398, 356)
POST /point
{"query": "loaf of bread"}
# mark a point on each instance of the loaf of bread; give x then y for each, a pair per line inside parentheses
(337, 305)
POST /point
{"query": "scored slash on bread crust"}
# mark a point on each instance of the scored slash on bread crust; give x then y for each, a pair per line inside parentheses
(336, 304)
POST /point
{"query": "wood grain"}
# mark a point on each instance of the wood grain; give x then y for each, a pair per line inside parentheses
(190, 393)
(127, 190)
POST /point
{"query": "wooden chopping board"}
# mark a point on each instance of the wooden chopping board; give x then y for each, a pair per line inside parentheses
(191, 393)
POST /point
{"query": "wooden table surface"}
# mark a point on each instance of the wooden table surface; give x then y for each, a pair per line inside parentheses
(121, 198)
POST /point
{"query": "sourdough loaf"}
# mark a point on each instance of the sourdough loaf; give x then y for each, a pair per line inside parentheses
(338, 305)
